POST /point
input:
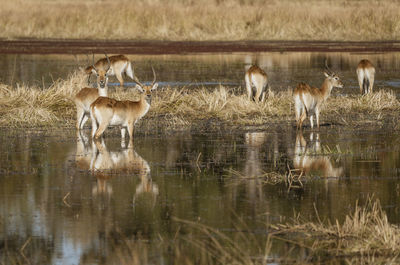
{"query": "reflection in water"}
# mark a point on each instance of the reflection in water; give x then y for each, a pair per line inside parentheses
(38, 170)
(105, 164)
(308, 158)
(284, 69)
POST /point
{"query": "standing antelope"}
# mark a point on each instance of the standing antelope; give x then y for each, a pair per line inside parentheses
(119, 64)
(86, 96)
(256, 83)
(106, 111)
(308, 100)
(366, 76)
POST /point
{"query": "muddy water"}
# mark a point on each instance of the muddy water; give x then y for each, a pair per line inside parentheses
(284, 69)
(71, 201)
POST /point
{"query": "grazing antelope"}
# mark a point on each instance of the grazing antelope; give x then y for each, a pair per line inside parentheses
(119, 64)
(106, 111)
(86, 96)
(366, 76)
(256, 83)
(308, 161)
(308, 100)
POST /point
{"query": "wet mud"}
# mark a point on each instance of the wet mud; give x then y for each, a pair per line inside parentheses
(57, 46)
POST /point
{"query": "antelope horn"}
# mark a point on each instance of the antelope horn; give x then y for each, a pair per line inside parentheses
(94, 67)
(154, 74)
(327, 67)
(109, 63)
(135, 78)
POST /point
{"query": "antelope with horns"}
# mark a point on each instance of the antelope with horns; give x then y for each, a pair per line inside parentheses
(119, 64)
(256, 83)
(106, 111)
(308, 100)
(86, 96)
(366, 76)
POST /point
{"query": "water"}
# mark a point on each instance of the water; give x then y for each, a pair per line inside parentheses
(66, 200)
(284, 69)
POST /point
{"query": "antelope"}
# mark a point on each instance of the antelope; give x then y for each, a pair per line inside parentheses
(308, 162)
(366, 76)
(88, 95)
(106, 111)
(256, 83)
(308, 100)
(119, 64)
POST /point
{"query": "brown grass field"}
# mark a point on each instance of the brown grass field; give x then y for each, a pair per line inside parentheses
(343, 20)
(184, 108)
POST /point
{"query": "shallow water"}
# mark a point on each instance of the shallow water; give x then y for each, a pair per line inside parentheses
(284, 69)
(71, 200)
(66, 200)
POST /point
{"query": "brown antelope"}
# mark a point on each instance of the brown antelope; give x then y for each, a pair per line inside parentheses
(308, 161)
(106, 111)
(366, 76)
(119, 64)
(86, 96)
(256, 83)
(308, 100)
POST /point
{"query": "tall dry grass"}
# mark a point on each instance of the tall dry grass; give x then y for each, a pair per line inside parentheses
(24, 106)
(202, 20)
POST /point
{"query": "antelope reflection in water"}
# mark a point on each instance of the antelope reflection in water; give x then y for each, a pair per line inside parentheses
(308, 158)
(105, 164)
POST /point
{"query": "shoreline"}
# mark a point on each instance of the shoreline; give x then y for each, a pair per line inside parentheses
(154, 47)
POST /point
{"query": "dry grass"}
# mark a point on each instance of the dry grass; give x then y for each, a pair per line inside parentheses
(24, 106)
(365, 237)
(202, 20)
(367, 231)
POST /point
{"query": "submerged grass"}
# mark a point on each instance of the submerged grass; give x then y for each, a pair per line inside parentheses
(24, 106)
(202, 20)
(364, 237)
(366, 231)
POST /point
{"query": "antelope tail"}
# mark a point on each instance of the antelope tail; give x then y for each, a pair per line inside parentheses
(129, 71)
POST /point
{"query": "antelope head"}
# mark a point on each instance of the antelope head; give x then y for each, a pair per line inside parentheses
(101, 73)
(146, 90)
(332, 77)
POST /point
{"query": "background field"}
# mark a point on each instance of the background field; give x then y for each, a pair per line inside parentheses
(201, 20)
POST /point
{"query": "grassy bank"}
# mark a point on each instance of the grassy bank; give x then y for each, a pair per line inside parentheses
(202, 20)
(25, 106)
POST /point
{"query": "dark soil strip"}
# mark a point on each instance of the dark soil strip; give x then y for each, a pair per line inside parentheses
(56, 46)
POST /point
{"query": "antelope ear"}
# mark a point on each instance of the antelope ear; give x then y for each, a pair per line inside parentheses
(154, 87)
(326, 74)
(139, 88)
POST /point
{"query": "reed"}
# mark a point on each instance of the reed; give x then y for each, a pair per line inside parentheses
(201, 20)
(180, 108)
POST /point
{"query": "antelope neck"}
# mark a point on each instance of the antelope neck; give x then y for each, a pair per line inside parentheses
(103, 92)
(326, 88)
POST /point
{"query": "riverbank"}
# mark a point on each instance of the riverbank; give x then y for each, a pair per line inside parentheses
(77, 46)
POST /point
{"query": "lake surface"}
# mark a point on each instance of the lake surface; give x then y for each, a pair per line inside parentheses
(67, 200)
(284, 69)
(70, 198)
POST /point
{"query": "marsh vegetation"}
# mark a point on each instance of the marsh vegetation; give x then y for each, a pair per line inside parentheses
(202, 20)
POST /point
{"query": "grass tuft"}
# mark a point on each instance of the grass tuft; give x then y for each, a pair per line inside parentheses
(177, 108)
